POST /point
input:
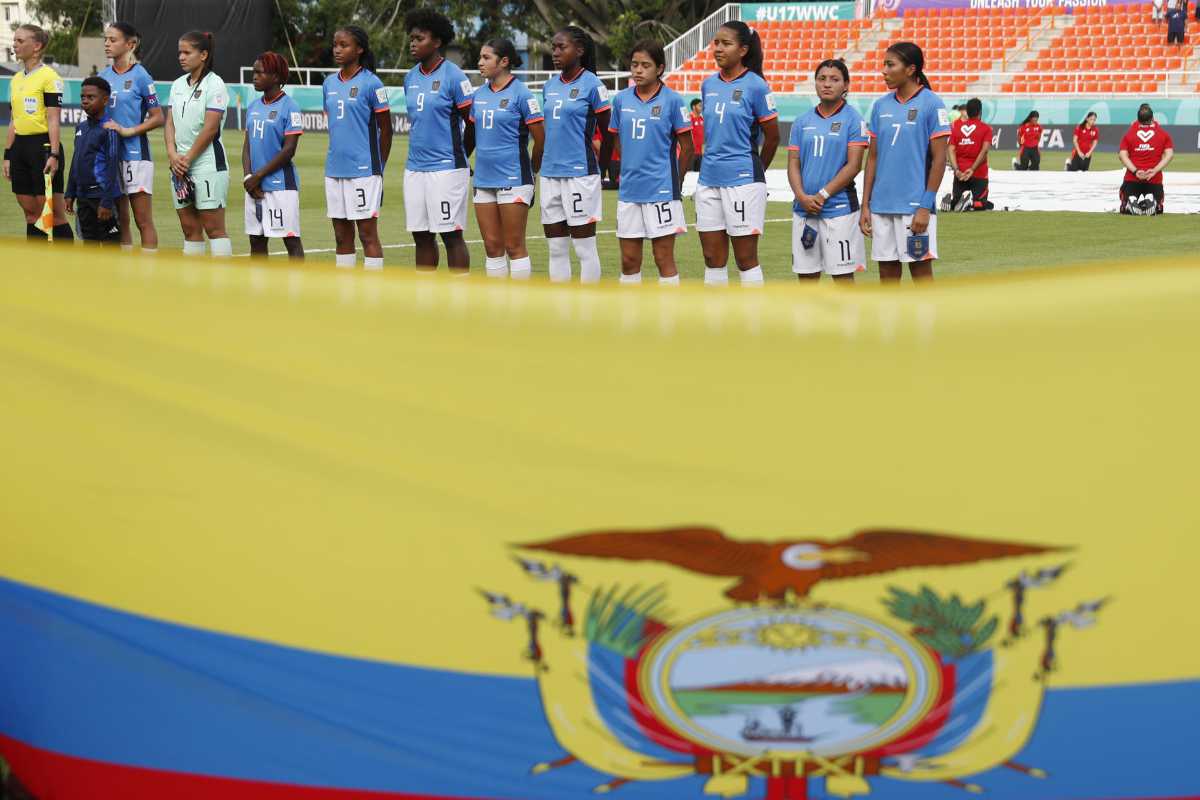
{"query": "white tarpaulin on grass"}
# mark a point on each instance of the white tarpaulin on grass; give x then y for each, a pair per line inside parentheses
(1047, 190)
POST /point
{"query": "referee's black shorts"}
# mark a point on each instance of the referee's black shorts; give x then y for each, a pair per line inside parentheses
(28, 160)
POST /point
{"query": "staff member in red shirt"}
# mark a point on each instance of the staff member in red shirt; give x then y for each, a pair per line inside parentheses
(970, 142)
(1086, 137)
(1029, 139)
(697, 120)
(1145, 151)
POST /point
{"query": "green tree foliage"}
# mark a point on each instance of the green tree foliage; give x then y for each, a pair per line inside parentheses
(310, 25)
(947, 625)
(66, 21)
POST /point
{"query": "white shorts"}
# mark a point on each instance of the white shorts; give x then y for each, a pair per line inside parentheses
(137, 177)
(889, 237)
(839, 249)
(737, 210)
(650, 220)
(436, 201)
(276, 216)
(522, 194)
(575, 201)
(354, 198)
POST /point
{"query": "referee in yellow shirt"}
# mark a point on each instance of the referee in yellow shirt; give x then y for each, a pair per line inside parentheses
(34, 145)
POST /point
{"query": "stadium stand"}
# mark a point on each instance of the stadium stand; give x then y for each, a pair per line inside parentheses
(1110, 50)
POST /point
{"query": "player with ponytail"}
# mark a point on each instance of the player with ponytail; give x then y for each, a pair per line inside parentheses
(909, 130)
(199, 167)
(135, 112)
(574, 102)
(741, 135)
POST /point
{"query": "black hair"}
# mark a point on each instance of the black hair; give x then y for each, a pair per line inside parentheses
(696, 102)
(586, 44)
(1085, 118)
(835, 63)
(1149, 112)
(98, 82)
(503, 48)
(655, 51)
(367, 59)
(974, 108)
(748, 38)
(1030, 116)
(203, 41)
(912, 56)
(426, 19)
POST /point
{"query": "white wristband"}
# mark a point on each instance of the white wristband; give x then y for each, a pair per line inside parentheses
(824, 194)
(248, 177)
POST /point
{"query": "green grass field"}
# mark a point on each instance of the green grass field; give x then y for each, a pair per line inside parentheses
(969, 243)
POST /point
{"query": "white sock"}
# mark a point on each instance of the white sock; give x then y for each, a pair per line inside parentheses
(149, 251)
(671, 281)
(751, 276)
(193, 248)
(520, 269)
(372, 262)
(716, 276)
(220, 248)
(589, 259)
(128, 248)
(496, 267)
(560, 259)
(346, 260)
(631, 279)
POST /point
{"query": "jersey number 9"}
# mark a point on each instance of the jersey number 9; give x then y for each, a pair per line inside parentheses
(421, 101)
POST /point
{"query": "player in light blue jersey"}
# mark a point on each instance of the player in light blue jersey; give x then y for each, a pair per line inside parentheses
(652, 125)
(741, 135)
(135, 112)
(905, 164)
(360, 142)
(437, 95)
(574, 102)
(505, 116)
(271, 182)
(825, 153)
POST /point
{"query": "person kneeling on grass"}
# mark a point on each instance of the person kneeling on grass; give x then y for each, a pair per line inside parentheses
(94, 185)
(1145, 151)
(970, 142)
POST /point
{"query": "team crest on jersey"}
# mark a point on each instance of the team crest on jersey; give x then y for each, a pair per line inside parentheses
(196, 94)
(912, 115)
(435, 86)
(794, 673)
(504, 102)
(656, 111)
(128, 85)
(835, 127)
(273, 115)
(574, 93)
(737, 95)
(353, 91)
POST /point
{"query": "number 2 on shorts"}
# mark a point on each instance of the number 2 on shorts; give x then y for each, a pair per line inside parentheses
(576, 203)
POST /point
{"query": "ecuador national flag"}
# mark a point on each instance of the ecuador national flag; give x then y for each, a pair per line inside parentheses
(272, 532)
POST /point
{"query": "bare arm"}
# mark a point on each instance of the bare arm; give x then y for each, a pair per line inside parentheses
(811, 204)
(169, 137)
(54, 126)
(607, 142)
(982, 157)
(937, 151)
(846, 175)
(686, 152)
(770, 142)
(538, 131)
(864, 217)
(1123, 155)
(1167, 155)
(385, 137)
(468, 137)
(8, 143)
(212, 126)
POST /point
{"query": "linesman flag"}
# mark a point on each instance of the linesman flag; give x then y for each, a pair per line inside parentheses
(45, 222)
(275, 532)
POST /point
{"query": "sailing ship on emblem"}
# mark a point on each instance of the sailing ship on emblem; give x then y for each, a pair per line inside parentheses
(780, 688)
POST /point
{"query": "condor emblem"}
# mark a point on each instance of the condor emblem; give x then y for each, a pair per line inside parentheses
(737, 95)
(128, 85)
(273, 115)
(354, 91)
(436, 86)
(504, 103)
(912, 115)
(574, 93)
(656, 111)
(778, 685)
